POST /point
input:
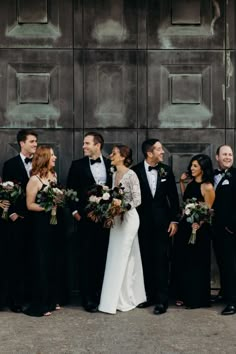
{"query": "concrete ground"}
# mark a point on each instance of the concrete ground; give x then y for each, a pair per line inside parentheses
(72, 330)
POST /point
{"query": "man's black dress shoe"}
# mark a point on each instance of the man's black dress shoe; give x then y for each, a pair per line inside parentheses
(145, 304)
(229, 310)
(16, 308)
(159, 309)
(91, 307)
(216, 299)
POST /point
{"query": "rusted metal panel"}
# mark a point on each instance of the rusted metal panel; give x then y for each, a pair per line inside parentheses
(78, 88)
(186, 24)
(186, 89)
(230, 83)
(34, 24)
(110, 89)
(37, 89)
(230, 28)
(110, 24)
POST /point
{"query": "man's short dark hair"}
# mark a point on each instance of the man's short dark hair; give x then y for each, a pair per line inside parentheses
(147, 146)
(219, 147)
(98, 138)
(23, 133)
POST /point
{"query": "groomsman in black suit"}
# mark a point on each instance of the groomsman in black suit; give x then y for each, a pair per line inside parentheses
(17, 169)
(92, 169)
(158, 214)
(224, 226)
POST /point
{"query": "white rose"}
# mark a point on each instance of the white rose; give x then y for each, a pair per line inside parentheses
(187, 211)
(190, 206)
(93, 199)
(105, 188)
(57, 191)
(8, 184)
(106, 196)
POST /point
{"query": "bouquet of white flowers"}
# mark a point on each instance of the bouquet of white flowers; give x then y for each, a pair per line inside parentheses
(53, 196)
(10, 191)
(105, 203)
(196, 212)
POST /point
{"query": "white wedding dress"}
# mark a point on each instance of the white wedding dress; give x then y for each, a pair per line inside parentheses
(123, 284)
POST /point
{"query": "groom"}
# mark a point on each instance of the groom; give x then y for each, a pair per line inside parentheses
(158, 214)
(92, 169)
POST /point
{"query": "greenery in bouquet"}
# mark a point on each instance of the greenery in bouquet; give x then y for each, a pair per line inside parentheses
(10, 191)
(196, 212)
(105, 203)
(53, 196)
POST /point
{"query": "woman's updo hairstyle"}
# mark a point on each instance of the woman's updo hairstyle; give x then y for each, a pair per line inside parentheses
(125, 152)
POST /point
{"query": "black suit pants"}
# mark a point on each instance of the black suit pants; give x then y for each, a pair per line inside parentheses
(225, 249)
(93, 253)
(154, 248)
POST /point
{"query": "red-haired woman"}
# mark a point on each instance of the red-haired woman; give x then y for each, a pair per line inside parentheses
(44, 294)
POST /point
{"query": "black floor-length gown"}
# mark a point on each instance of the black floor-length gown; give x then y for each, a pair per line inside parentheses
(46, 263)
(191, 262)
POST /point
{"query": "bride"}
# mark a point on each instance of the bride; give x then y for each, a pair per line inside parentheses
(123, 284)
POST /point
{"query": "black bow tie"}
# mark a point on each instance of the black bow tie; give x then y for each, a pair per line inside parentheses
(28, 159)
(153, 168)
(219, 172)
(98, 160)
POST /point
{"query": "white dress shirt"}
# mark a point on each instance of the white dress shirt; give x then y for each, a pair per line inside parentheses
(98, 170)
(99, 173)
(152, 178)
(28, 166)
(218, 178)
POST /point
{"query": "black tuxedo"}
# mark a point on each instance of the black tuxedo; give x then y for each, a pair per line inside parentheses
(225, 242)
(155, 214)
(19, 243)
(93, 237)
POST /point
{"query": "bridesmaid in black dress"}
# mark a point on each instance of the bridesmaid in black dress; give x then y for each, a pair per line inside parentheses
(192, 262)
(45, 236)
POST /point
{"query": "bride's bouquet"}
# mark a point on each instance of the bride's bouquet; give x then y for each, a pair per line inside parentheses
(105, 203)
(53, 196)
(9, 191)
(198, 212)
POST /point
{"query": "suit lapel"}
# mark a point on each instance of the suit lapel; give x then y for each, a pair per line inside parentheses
(88, 170)
(225, 177)
(21, 169)
(158, 184)
(108, 172)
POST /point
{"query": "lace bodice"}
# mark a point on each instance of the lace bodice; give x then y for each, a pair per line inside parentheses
(131, 185)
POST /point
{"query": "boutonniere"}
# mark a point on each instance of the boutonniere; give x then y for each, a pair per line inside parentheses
(162, 172)
(227, 174)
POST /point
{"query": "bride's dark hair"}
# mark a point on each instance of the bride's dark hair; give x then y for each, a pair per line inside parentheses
(125, 152)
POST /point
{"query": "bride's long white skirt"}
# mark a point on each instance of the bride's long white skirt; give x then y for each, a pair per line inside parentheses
(123, 284)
